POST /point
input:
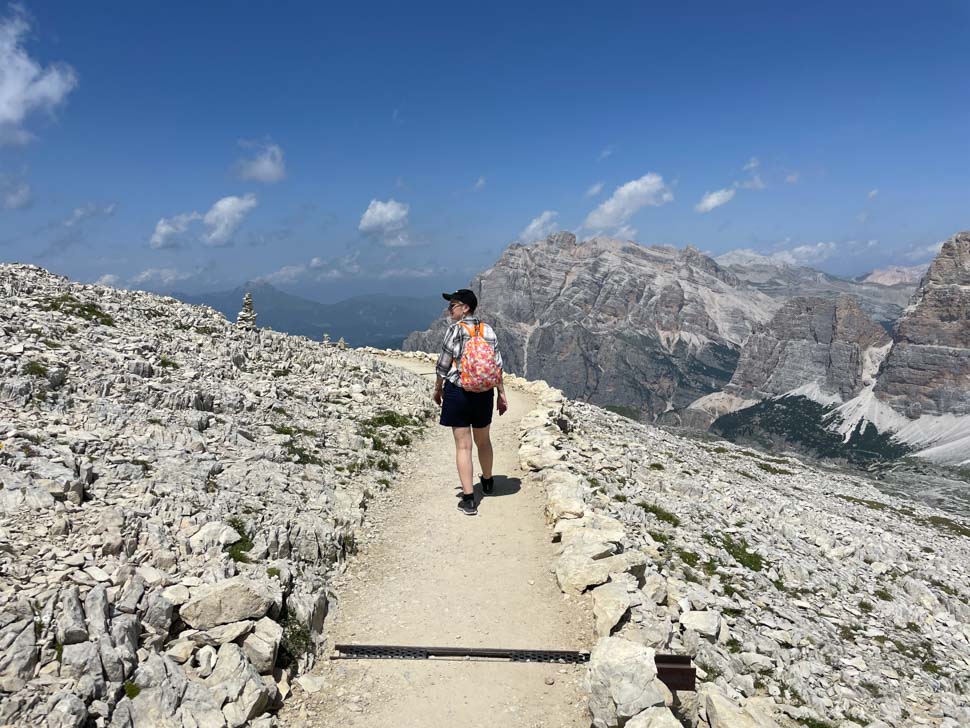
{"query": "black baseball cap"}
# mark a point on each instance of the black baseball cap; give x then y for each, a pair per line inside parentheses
(462, 295)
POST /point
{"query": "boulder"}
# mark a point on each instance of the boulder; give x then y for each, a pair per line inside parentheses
(231, 600)
(622, 682)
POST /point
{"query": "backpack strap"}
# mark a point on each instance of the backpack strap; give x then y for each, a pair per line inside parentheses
(472, 332)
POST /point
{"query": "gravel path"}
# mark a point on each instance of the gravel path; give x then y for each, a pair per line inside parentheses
(429, 575)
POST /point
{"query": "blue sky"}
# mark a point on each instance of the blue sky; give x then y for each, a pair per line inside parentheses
(402, 148)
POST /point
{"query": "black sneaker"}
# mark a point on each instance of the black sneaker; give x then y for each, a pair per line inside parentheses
(488, 484)
(467, 506)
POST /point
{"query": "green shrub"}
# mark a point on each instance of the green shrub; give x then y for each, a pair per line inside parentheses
(657, 466)
(620, 498)
(167, 363)
(814, 722)
(296, 641)
(773, 470)
(66, 303)
(386, 418)
(865, 607)
(660, 513)
(132, 690)
(688, 557)
(35, 369)
(273, 572)
(238, 551)
(738, 549)
(883, 594)
(402, 439)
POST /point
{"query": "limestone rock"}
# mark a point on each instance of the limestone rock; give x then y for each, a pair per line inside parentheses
(227, 601)
(622, 681)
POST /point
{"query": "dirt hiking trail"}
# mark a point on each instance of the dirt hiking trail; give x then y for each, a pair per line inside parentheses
(426, 574)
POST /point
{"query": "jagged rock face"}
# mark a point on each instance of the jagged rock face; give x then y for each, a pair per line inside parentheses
(613, 322)
(927, 370)
(783, 281)
(810, 339)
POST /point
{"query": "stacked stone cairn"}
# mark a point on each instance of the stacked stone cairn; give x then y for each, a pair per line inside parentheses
(246, 319)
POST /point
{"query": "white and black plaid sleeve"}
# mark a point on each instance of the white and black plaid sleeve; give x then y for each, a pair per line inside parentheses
(450, 350)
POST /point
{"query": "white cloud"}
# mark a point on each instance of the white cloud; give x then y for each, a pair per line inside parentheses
(792, 178)
(755, 183)
(922, 252)
(873, 194)
(24, 85)
(108, 279)
(168, 230)
(165, 276)
(627, 200)
(225, 217)
(86, 212)
(17, 197)
(805, 254)
(606, 152)
(751, 164)
(407, 273)
(388, 220)
(715, 199)
(540, 228)
(594, 189)
(267, 166)
(480, 183)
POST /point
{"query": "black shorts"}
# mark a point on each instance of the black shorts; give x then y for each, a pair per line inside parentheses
(466, 409)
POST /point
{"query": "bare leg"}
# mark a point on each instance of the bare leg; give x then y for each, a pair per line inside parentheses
(463, 457)
(484, 444)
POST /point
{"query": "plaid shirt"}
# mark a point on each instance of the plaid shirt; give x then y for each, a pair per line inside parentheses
(449, 360)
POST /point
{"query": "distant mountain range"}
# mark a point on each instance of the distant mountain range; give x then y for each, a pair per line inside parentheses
(369, 320)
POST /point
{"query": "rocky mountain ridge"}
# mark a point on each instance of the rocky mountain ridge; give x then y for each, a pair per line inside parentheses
(913, 389)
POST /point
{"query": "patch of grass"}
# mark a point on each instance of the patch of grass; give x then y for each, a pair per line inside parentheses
(773, 470)
(746, 474)
(273, 572)
(66, 303)
(154, 421)
(629, 412)
(659, 537)
(238, 551)
(620, 498)
(865, 607)
(720, 450)
(660, 513)
(945, 588)
(51, 344)
(35, 369)
(165, 363)
(657, 466)
(947, 524)
(205, 330)
(302, 455)
(281, 372)
(59, 651)
(875, 505)
(729, 590)
(738, 549)
(709, 567)
(883, 594)
(732, 612)
(385, 464)
(403, 439)
(131, 690)
(688, 557)
(387, 418)
(871, 687)
(931, 667)
(385, 482)
(380, 445)
(814, 723)
(292, 431)
(296, 641)
(733, 645)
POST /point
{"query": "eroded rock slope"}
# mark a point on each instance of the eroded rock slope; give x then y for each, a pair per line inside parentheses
(174, 492)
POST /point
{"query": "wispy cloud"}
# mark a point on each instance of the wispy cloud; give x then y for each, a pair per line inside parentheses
(594, 189)
(480, 183)
(754, 183)
(26, 86)
(387, 221)
(108, 279)
(163, 276)
(225, 217)
(17, 196)
(267, 165)
(752, 164)
(222, 221)
(873, 194)
(792, 178)
(606, 152)
(169, 230)
(540, 228)
(628, 199)
(89, 211)
(922, 252)
(713, 200)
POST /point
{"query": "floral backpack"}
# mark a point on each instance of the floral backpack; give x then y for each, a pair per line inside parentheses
(480, 371)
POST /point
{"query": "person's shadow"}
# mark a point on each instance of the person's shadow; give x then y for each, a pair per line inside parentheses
(503, 486)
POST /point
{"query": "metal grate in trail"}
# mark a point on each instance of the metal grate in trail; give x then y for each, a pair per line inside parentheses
(675, 671)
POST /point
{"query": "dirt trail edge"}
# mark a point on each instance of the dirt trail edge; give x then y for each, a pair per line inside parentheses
(426, 574)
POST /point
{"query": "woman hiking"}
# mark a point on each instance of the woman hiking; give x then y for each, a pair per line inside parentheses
(466, 396)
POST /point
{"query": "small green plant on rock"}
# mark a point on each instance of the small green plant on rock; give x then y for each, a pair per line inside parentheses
(238, 551)
(35, 369)
(296, 641)
(132, 690)
(883, 594)
(660, 513)
(865, 607)
(167, 363)
(66, 303)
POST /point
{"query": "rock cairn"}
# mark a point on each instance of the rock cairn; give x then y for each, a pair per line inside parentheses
(807, 597)
(247, 317)
(174, 493)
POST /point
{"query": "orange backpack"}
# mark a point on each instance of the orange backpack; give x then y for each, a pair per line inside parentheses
(479, 369)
